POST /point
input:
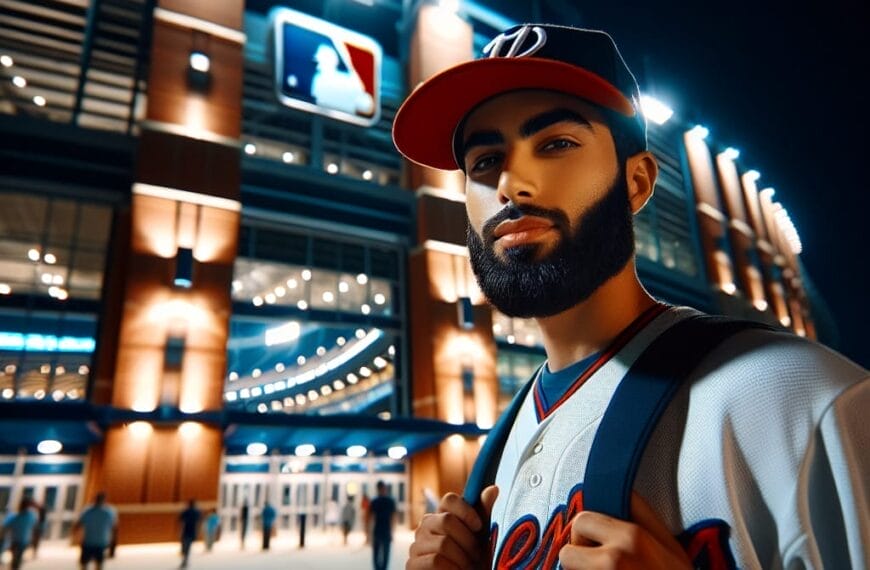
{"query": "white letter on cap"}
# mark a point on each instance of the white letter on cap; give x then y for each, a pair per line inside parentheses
(516, 39)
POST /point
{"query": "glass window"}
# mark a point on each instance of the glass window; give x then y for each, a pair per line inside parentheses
(47, 242)
(72, 492)
(514, 369)
(303, 338)
(50, 498)
(52, 250)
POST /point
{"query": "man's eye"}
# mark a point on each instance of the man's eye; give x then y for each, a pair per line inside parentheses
(485, 163)
(559, 144)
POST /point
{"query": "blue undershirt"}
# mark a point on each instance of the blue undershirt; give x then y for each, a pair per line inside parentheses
(554, 384)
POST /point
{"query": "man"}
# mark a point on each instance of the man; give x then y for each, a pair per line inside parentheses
(99, 524)
(212, 529)
(757, 460)
(348, 517)
(243, 522)
(381, 516)
(268, 519)
(19, 527)
(189, 519)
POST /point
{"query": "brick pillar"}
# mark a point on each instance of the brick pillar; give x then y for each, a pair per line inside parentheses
(712, 221)
(172, 318)
(454, 375)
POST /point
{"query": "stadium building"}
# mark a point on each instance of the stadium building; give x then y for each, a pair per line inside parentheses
(219, 280)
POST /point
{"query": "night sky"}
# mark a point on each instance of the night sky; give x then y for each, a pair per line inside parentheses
(785, 88)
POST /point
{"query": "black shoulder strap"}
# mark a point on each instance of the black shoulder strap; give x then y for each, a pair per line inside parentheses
(639, 402)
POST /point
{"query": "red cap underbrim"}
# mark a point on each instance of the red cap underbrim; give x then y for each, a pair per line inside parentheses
(424, 126)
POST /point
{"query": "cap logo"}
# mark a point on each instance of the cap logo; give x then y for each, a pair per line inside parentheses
(507, 45)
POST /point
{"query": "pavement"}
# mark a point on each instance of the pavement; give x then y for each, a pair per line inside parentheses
(322, 551)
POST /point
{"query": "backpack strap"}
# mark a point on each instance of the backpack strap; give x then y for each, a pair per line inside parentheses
(485, 466)
(639, 402)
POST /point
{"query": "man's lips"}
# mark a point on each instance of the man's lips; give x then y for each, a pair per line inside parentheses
(525, 229)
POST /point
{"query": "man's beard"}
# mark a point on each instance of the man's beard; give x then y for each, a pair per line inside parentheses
(524, 285)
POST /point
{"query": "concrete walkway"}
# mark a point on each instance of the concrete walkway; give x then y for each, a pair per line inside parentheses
(321, 551)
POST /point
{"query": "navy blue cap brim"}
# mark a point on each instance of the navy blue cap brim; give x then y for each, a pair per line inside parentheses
(425, 124)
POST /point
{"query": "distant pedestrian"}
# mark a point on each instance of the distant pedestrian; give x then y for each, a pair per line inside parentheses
(19, 528)
(332, 517)
(243, 522)
(382, 513)
(212, 529)
(302, 518)
(189, 519)
(40, 525)
(365, 503)
(99, 525)
(348, 517)
(267, 517)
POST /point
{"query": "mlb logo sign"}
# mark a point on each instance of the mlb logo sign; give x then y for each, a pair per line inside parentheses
(322, 68)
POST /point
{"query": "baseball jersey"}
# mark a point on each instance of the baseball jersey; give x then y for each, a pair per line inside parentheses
(759, 461)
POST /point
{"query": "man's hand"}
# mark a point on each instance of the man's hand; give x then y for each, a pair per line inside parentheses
(450, 538)
(602, 542)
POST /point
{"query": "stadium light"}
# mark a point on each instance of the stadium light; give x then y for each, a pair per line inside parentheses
(655, 110)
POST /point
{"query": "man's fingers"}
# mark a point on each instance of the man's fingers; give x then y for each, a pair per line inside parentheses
(590, 528)
(448, 536)
(453, 503)
(572, 556)
(487, 499)
(454, 527)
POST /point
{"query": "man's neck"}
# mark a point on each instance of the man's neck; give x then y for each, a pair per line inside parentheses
(590, 326)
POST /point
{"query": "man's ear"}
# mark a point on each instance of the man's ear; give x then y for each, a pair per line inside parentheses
(641, 171)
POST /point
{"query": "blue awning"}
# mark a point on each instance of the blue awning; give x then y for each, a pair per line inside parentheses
(79, 425)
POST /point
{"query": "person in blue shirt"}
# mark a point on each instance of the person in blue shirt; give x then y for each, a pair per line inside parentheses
(189, 519)
(19, 527)
(99, 525)
(268, 518)
(382, 515)
(212, 529)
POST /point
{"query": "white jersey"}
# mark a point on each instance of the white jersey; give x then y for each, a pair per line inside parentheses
(760, 461)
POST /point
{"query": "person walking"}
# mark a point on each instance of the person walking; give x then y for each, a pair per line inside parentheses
(348, 516)
(212, 529)
(40, 525)
(99, 525)
(382, 518)
(189, 519)
(267, 517)
(365, 503)
(244, 513)
(19, 527)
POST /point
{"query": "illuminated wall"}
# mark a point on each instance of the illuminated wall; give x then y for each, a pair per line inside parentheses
(749, 241)
(169, 320)
(454, 366)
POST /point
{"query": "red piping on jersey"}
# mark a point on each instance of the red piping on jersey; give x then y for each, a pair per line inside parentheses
(615, 346)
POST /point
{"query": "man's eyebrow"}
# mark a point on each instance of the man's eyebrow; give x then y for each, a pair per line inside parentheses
(547, 118)
(481, 138)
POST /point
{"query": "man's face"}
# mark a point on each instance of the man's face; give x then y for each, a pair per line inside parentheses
(548, 211)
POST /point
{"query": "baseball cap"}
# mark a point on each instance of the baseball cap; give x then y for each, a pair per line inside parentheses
(575, 61)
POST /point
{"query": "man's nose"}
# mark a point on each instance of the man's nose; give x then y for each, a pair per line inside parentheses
(514, 186)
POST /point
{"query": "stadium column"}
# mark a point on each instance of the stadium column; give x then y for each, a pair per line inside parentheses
(785, 260)
(453, 368)
(742, 236)
(172, 318)
(767, 252)
(711, 219)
